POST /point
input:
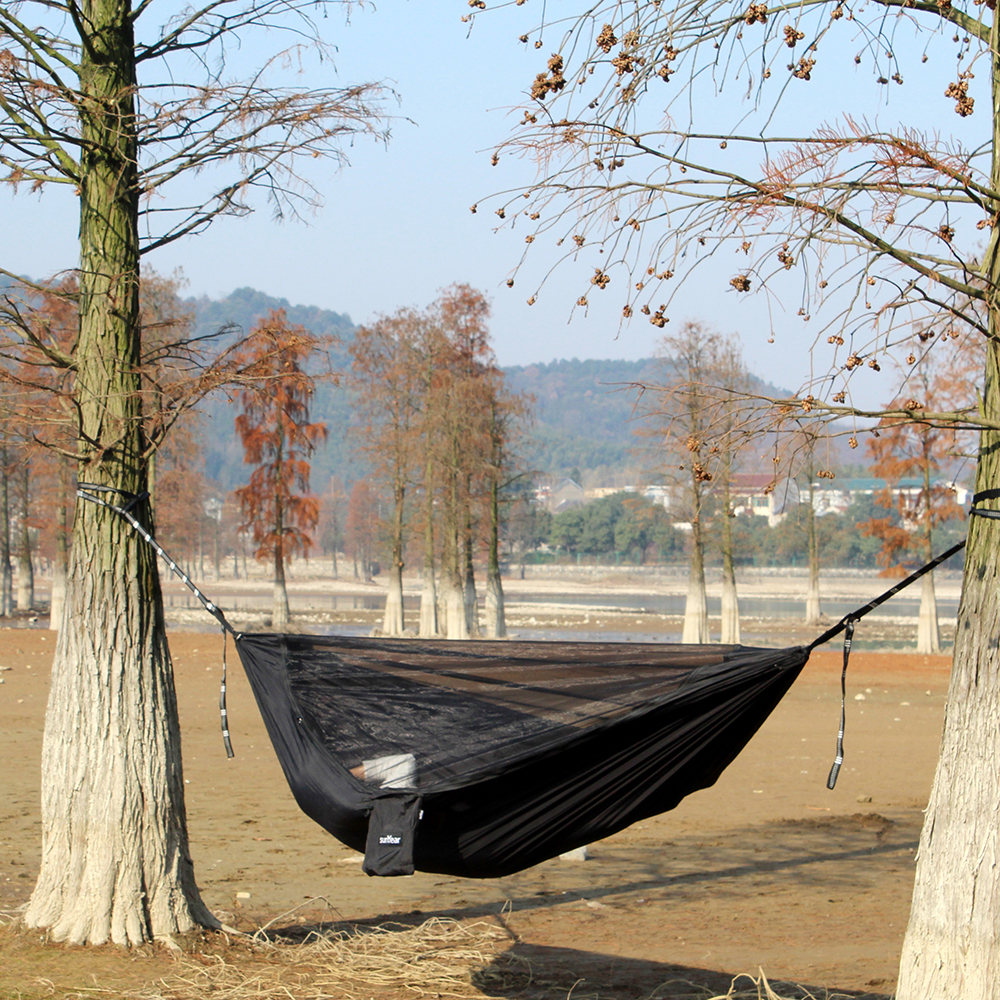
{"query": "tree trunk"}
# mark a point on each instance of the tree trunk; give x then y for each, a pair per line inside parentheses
(115, 859)
(469, 599)
(428, 594)
(392, 620)
(428, 606)
(928, 635)
(496, 618)
(813, 612)
(279, 612)
(730, 611)
(115, 862)
(696, 606)
(950, 949)
(60, 564)
(730, 602)
(25, 569)
(453, 598)
(6, 569)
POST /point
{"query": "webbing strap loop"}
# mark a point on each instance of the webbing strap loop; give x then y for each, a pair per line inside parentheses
(985, 495)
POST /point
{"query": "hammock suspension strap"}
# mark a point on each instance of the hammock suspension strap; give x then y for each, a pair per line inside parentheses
(87, 491)
(848, 622)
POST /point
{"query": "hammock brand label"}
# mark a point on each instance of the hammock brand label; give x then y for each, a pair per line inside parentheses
(392, 827)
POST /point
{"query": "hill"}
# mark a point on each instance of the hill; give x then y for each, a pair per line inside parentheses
(584, 410)
(585, 416)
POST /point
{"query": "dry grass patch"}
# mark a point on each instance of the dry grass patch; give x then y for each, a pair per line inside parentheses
(436, 959)
(439, 958)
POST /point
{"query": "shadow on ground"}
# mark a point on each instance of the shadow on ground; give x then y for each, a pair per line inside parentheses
(538, 972)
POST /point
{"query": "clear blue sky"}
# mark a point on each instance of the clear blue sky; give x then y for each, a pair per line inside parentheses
(396, 225)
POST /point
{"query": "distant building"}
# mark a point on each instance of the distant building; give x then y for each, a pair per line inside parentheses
(763, 496)
(600, 492)
(658, 493)
(832, 497)
(566, 495)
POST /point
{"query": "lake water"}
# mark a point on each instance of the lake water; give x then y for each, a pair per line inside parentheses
(660, 604)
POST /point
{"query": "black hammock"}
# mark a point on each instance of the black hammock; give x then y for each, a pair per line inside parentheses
(481, 758)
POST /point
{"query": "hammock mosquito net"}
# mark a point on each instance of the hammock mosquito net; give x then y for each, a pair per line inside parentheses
(482, 758)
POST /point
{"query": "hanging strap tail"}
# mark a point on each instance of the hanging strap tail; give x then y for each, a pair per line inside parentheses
(88, 491)
(831, 781)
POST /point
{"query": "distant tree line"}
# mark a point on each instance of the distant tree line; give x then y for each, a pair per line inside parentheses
(627, 527)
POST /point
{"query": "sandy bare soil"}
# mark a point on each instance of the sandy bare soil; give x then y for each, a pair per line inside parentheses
(767, 869)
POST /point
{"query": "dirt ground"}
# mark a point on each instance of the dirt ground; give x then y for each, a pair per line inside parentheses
(767, 869)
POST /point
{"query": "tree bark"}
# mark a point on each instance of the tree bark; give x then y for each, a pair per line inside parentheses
(814, 613)
(454, 607)
(25, 569)
(496, 618)
(61, 561)
(428, 594)
(115, 860)
(696, 605)
(470, 601)
(730, 601)
(950, 949)
(279, 610)
(452, 596)
(928, 635)
(392, 620)
(6, 569)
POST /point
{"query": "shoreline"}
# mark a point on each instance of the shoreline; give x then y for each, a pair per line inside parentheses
(534, 610)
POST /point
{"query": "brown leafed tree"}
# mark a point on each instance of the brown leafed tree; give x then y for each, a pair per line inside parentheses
(40, 402)
(463, 441)
(903, 449)
(386, 375)
(361, 530)
(439, 424)
(132, 108)
(332, 511)
(866, 226)
(697, 424)
(278, 439)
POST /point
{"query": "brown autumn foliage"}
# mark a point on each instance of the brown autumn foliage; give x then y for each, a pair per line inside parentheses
(439, 427)
(278, 439)
(902, 449)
